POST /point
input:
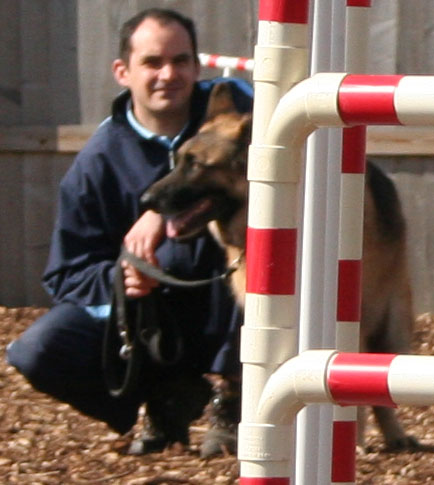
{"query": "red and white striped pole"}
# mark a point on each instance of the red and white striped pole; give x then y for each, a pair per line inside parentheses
(347, 379)
(350, 244)
(269, 335)
(388, 380)
(226, 63)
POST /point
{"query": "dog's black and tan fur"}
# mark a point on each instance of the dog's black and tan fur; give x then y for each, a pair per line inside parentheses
(208, 188)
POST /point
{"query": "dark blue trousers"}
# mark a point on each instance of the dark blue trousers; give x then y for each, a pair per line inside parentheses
(61, 355)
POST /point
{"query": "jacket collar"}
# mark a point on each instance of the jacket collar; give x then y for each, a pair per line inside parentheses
(198, 104)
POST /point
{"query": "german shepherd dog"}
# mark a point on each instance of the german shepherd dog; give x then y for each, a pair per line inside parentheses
(208, 189)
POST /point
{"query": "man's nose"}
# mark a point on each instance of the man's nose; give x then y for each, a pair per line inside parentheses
(168, 71)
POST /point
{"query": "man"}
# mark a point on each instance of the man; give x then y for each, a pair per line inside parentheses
(60, 354)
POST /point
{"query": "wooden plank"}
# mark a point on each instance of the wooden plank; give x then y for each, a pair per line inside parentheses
(400, 140)
(10, 56)
(64, 68)
(28, 194)
(62, 139)
(40, 188)
(35, 66)
(382, 140)
(12, 250)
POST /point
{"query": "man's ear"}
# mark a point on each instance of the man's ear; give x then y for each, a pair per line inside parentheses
(120, 72)
(220, 101)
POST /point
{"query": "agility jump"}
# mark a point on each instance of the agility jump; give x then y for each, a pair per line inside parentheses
(288, 108)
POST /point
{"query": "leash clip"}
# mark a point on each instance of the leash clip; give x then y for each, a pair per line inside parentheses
(234, 265)
(125, 352)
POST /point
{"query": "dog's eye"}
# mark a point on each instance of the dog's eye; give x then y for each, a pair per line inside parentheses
(194, 162)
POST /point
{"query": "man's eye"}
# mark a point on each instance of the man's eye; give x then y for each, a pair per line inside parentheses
(182, 60)
(152, 63)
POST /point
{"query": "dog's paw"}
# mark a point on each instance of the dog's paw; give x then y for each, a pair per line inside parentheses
(402, 443)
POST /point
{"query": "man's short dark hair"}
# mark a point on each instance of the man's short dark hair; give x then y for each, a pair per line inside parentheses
(162, 15)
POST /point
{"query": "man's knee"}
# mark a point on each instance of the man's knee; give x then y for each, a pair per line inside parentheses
(54, 342)
(26, 353)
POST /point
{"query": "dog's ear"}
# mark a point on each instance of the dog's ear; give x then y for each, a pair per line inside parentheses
(244, 129)
(220, 101)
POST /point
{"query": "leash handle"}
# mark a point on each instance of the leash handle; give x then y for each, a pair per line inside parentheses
(159, 275)
(126, 333)
(132, 327)
(122, 358)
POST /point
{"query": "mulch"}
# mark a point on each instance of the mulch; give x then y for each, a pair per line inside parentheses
(45, 442)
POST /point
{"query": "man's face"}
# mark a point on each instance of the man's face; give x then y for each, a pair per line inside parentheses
(161, 71)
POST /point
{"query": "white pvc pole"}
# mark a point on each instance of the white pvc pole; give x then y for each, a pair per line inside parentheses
(269, 334)
(320, 237)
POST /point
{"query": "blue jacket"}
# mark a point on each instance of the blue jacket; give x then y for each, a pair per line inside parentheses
(99, 202)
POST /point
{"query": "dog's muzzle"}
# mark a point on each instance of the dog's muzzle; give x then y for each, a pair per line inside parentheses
(147, 202)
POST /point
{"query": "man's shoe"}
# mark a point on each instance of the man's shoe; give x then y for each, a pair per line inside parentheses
(150, 441)
(218, 442)
(225, 414)
(170, 409)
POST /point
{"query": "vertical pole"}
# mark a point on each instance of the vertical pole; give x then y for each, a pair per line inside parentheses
(350, 246)
(320, 240)
(269, 334)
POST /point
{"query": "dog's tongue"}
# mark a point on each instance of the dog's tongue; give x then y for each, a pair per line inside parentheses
(171, 228)
(185, 222)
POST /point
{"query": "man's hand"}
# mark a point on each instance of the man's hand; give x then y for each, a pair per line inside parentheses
(142, 240)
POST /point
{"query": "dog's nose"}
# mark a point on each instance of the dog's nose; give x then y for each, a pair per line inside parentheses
(147, 202)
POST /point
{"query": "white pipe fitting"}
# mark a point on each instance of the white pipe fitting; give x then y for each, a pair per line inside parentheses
(311, 104)
(297, 382)
(327, 376)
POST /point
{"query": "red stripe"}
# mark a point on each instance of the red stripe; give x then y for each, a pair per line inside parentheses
(359, 3)
(289, 11)
(344, 451)
(212, 61)
(368, 99)
(349, 290)
(354, 150)
(271, 261)
(265, 481)
(241, 63)
(361, 379)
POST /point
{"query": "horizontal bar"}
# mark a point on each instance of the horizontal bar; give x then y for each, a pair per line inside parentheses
(381, 140)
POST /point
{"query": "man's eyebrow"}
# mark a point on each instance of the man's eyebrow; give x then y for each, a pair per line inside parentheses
(183, 56)
(150, 58)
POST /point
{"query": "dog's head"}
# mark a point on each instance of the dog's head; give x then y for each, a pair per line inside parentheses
(209, 180)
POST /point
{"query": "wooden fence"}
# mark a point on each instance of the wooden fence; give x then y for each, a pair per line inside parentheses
(56, 85)
(33, 159)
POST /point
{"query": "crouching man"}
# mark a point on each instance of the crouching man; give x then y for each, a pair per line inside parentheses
(163, 104)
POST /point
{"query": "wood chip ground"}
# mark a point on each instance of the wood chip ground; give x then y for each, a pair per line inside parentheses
(44, 442)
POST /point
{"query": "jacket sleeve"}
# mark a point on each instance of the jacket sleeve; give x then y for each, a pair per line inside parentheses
(89, 229)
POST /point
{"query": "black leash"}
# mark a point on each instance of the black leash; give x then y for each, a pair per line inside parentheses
(159, 275)
(136, 323)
